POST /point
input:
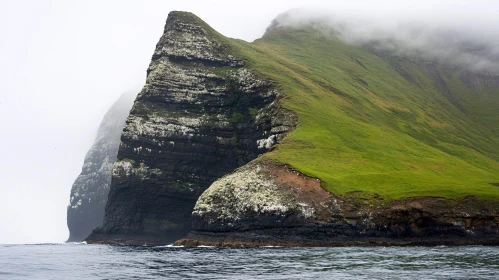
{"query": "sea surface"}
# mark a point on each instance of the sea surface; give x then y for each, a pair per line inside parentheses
(81, 261)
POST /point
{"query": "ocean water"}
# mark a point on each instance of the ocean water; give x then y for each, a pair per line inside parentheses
(81, 261)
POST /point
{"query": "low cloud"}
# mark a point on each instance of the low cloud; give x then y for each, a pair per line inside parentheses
(454, 41)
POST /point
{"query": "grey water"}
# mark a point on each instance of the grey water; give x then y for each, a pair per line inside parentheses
(81, 261)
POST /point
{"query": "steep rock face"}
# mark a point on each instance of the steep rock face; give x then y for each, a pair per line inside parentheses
(200, 115)
(90, 190)
(264, 203)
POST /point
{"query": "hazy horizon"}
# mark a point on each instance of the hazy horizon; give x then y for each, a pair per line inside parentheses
(65, 63)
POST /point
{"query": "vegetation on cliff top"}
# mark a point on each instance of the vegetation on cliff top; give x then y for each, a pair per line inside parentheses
(364, 126)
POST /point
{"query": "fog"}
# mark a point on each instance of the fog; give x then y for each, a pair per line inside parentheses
(464, 40)
(64, 63)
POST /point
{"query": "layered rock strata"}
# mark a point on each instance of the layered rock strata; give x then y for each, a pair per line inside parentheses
(90, 190)
(200, 115)
(264, 203)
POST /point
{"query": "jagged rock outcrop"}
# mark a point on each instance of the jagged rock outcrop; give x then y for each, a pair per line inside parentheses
(200, 115)
(89, 192)
(264, 203)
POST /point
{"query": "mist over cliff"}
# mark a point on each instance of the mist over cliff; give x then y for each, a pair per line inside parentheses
(451, 40)
(90, 190)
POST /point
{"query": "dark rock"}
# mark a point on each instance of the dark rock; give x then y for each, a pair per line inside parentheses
(200, 115)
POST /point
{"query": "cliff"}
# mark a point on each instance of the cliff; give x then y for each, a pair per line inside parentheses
(302, 139)
(200, 115)
(89, 192)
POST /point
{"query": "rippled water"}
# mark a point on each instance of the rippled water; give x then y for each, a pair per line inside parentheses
(80, 261)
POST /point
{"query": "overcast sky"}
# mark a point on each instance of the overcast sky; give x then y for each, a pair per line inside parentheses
(63, 63)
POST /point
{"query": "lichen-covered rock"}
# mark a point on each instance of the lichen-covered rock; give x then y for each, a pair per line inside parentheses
(260, 196)
(200, 115)
(187, 37)
(90, 190)
(264, 203)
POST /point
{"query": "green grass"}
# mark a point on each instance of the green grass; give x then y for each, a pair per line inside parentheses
(365, 127)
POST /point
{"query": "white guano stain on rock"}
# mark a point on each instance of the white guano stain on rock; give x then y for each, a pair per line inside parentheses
(306, 210)
(125, 168)
(235, 195)
(266, 143)
(159, 127)
(191, 41)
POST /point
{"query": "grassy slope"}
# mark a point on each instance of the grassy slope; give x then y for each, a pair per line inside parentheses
(364, 127)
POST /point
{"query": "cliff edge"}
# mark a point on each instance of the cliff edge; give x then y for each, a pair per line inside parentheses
(200, 115)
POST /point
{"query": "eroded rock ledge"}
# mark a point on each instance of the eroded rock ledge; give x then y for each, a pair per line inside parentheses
(264, 203)
(200, 115)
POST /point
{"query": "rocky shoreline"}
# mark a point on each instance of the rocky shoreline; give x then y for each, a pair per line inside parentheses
(308, 215)
(276, 238)
(267, 204)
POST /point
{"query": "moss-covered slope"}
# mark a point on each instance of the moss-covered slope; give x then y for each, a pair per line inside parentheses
(379, 124)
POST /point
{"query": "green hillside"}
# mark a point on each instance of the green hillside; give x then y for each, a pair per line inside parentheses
(386, 126)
